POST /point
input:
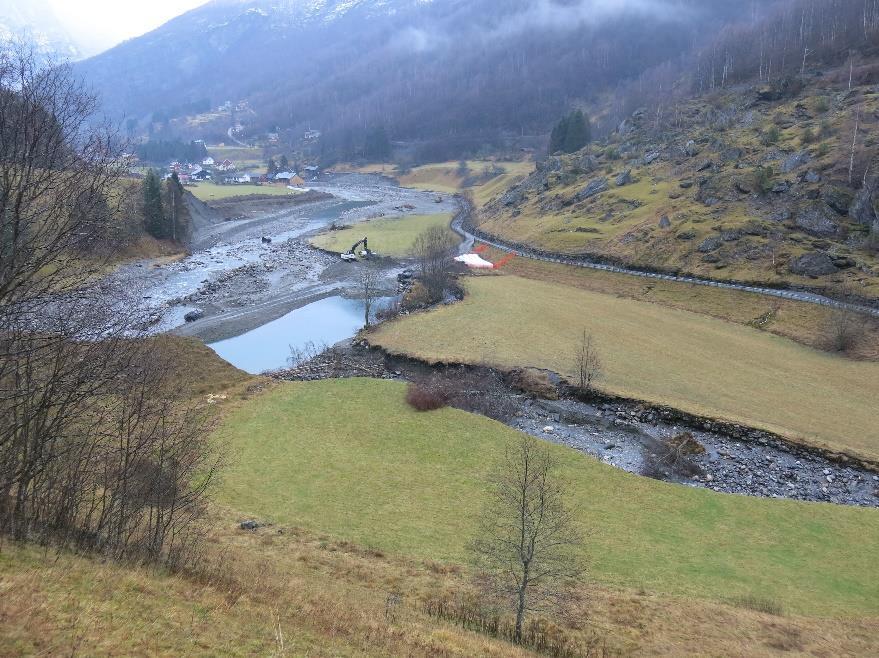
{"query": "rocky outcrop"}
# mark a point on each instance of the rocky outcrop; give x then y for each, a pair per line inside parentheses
(863, 209)
(709, 245)
(817, 219)
(594, 188)
(624, 178)
(838, 198)
(813, 265)
(795, 161)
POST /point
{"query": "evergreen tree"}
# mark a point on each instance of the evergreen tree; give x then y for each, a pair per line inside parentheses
(153, 212)
(284, 163)
(378, 146)
(176, 224)
(579, 133)
(570, 134)
(272, 167)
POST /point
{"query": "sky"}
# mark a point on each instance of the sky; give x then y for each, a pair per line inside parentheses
(100, 24)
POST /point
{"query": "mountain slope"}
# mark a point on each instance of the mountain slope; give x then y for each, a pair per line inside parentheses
(460, 73)
(35, 21)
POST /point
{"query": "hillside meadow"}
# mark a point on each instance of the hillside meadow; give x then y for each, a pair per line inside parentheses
(349, 458)
(662, 355)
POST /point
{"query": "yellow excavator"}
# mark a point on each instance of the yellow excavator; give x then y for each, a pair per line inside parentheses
(351, 255)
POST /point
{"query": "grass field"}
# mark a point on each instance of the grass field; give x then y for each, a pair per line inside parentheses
(212, 192)
(663, 355)
(388, 237)
(351, 459)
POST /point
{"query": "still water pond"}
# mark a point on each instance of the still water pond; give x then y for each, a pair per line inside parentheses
(325, 322)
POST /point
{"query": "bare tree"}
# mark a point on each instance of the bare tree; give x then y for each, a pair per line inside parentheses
(528, 545)
(434, 249)
(587, 362)
(369, 289)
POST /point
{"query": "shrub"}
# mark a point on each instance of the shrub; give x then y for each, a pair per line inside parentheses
(424, 396)
(821, 104)
(823, 149)
(808, 137)
(763, 179)
(826, 129)
(770, 136)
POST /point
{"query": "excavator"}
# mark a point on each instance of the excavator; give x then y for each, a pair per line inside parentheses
(351, 255)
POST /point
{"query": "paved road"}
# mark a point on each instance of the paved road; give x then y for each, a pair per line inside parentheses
(462, 224)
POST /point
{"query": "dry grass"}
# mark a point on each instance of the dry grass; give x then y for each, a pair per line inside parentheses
(330, 598)
(658, 354)
(804, 323)
(212, 192)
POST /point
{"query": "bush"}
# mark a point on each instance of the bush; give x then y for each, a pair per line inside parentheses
(826, 129)
(770, 136)
(808, 137)
(823, 149)
(763, 179)
(424, 396)
(821, 105)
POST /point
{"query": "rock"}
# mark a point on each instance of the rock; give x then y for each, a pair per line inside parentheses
(743, 187)
(863, 208)
(594, 188)
(731, 155)
(709, 245)
(664, 222)
(624, 178)
(587, 163)
(795, 161)
(838, 198)
(731, 236)
(193, 316)
(249, 525)
(551, 164)
(813, 265)
(781, 187)
(705, 166)
(651, 157)
(812, 177)
(686, 184)
(816, 219)
(844, 262)
(549, 429)
(686, 235)
(513, 198)
(691, 149)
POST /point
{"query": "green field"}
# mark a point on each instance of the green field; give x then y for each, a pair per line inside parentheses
(668, 356)
(387, 237)
(212, 192)
(444, 177)
(351, 459)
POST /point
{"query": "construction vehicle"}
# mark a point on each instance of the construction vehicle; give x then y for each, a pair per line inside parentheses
(351, 255)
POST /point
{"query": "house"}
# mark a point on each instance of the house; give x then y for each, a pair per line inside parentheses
(226, 165)
(284, 176)
(208, 162)
(310, 173)
(311, 135)
(201, 174)
(296, 181)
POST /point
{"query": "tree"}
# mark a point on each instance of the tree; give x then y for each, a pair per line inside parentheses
(272, 168)
(176, 227)
(528, 542)
(377, 146)
(434, 250)
(571, 133)
(369, 285)
(154, 219)
(283, 164)
(587, 362)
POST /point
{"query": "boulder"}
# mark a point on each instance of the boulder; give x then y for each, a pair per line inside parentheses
(587, 163)
(710, 244)
(838, 198)
(664, 222)
(691, 149)
(781, 187)
(705, 166)
(795, 161)
(817, 219)
(624, 178)
(686, 184)
(513, 198)
(550, 164)
(194, 315)
(731, 236)
(686, 235)
(594, 188)
(731, 155)
(863, 208)
(813, 264)
(743, 187)
(812, 177)
(651, 157)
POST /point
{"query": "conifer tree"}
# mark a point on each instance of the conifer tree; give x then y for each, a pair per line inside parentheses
(153, 211)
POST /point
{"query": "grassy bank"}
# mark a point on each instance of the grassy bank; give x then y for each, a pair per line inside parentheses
(663, 355)
(212, 192)
(351, 459)
(387, 237)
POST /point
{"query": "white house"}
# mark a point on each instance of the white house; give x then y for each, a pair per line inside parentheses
(208, 162)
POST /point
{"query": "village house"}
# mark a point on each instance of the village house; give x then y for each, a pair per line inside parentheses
(226, 165)
(208, 162)
(284, 176)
